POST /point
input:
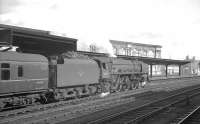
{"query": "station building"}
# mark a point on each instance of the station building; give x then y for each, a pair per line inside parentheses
(136, 49)
(151, 54)
(140, 50)
(192, 68)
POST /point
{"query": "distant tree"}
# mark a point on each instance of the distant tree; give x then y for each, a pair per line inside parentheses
(93, 48)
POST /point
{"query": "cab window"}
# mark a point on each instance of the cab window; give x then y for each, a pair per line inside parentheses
(5, 71)
(104, 65)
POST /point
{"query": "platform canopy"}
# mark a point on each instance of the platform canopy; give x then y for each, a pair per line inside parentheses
(155, 61)
(35, 41)
(93, 54)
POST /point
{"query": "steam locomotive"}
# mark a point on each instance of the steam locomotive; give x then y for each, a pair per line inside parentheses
(31, 78)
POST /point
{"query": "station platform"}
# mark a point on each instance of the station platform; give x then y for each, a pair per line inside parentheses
(154, 78)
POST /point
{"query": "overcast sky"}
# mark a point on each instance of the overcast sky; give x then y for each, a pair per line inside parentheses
(174, 24)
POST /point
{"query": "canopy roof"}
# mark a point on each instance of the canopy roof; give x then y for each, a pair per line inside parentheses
(35, 41)
(155, 61)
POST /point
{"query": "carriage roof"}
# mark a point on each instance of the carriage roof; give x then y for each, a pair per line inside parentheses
(15, 56)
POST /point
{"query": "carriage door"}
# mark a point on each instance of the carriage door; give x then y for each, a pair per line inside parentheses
(5, 71)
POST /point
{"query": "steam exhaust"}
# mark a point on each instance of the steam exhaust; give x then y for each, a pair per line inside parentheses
(104, 94)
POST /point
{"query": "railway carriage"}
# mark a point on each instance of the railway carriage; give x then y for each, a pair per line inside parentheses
(22, 74)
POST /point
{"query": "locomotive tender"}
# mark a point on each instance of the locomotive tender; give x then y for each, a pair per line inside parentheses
(31, 78)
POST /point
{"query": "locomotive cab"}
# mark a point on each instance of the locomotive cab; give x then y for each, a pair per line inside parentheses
(105, 66)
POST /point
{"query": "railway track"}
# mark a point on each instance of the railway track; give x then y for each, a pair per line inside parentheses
(69, 104)
(74, 101)
(55, 111)
(62, 112)
(64, 107)
(35, 108)
(192, 117)
(138, 115)
(30, 109)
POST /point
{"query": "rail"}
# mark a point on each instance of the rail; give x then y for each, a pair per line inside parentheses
(192, 117)
(145, 111)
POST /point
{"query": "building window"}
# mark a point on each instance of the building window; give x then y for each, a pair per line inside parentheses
(134, 52)
(121, 51)
(5, 71)
(20, 71)
(150, 53)
(129, 52)
(115, 50)
(126, 51)
(138, 52)
(5, 65)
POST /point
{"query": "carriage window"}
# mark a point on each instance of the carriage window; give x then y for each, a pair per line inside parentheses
(5, 74)
(5, 71)
(5, 65)
(20, 71)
